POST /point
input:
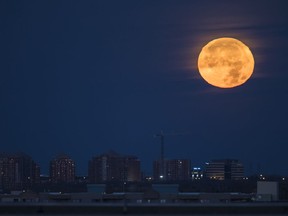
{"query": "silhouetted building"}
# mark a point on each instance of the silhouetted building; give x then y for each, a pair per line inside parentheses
(18, 171)
(62, 169)
(114, 167)
(196, 173)
(157, 170)
(224, 170)
(174, 170)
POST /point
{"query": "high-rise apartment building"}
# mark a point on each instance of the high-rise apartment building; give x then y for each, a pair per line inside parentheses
(224, 170)
(173, 170)
(18, 171)
(114, 167)
(62, 169)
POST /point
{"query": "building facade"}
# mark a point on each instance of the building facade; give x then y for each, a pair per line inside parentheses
(112, 166)
(197, 173)
(173, 170)
(18, 172)
(62, 169)
(224, 170)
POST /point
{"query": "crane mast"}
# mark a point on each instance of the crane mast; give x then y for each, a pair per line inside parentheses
(162, 173)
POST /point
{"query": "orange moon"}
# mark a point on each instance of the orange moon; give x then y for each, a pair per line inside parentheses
(226, 63)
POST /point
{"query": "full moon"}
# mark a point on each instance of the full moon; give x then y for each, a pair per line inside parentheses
(226, 63)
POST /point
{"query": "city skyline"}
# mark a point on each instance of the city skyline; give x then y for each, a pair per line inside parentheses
(112, 170)
(63, 167)
(85, 77)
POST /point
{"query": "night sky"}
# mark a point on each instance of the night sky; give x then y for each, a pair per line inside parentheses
(86, 77)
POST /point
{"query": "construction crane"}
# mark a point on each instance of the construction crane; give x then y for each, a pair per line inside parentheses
(161, 135)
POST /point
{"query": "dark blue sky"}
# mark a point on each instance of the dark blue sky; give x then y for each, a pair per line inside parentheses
(85, 77)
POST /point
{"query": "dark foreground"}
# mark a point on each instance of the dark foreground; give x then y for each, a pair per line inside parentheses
(145, 209)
